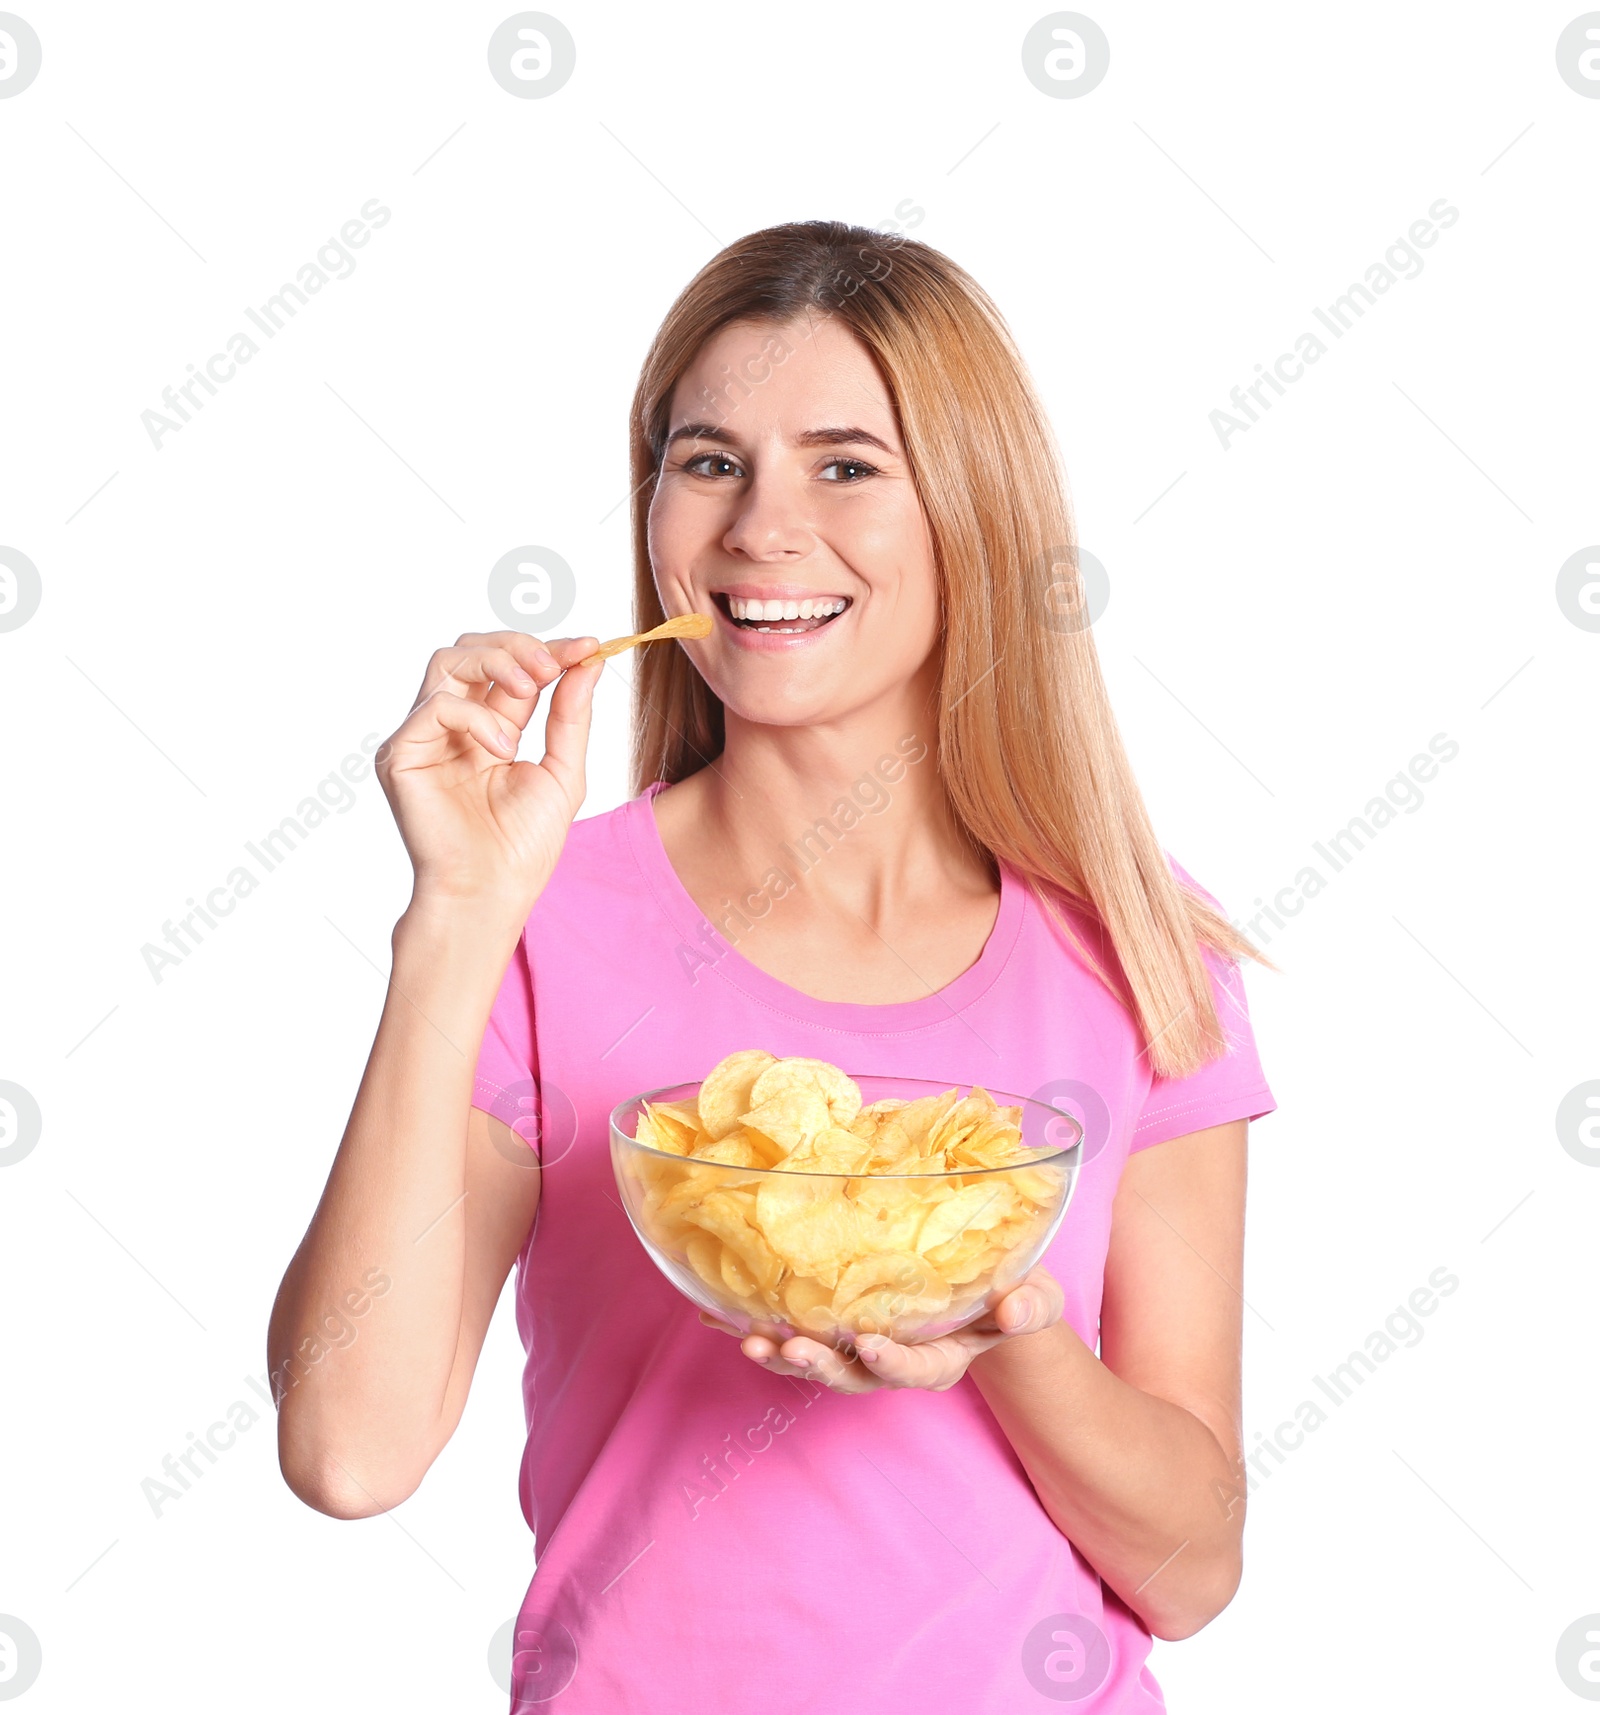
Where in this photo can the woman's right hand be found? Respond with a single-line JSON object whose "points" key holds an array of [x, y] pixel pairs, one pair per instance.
{"points": [[478, 825]]}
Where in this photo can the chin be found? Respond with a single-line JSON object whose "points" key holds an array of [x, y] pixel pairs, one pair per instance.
{"points": [[798, 711]]}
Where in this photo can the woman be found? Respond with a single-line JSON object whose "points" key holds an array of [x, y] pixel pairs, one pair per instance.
{"points": [[883, 819]]}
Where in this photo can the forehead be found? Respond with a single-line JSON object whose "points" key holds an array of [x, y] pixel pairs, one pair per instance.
{"points": [[791, 375]]}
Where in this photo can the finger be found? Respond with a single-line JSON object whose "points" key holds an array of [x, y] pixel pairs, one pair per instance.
{"points": [[521, 643], [819, 1363], [509, 658], [516, 696], [1019, 1312], [569, 651], [1031, 1306], [513, 690], [764, 1350], [566, 727], [931, 1365], [509, 692], [759, 1349], [716, 1322], [544, 662], [470, 672], [427, 731]]}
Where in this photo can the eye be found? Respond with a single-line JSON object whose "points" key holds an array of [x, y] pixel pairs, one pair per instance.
{"points": [[858, 467], [722, 465]]}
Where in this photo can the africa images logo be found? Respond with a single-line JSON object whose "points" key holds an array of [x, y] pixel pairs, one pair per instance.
{"points": [[1066, 1657]]}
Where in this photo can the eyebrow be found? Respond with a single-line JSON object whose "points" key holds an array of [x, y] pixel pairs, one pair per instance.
{"points": [[828, 437]]}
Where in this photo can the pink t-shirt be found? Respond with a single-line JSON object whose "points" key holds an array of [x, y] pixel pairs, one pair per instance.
{"points": [[711, 1537]]}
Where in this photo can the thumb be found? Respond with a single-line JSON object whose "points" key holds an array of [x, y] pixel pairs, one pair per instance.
{"points": [[1024, 1310], [566, 729]]}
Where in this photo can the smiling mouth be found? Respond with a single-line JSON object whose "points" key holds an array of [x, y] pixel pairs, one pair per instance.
{"points": [[783, 617]]}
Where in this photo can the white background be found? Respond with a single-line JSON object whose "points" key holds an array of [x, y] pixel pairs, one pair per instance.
{"points": [[224, 619]]}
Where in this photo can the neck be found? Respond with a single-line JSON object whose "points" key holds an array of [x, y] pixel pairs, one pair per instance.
{"points": [[851, 811]]}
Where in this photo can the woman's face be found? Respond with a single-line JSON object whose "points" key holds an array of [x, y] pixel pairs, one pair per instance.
{"points": [[785, 483]]}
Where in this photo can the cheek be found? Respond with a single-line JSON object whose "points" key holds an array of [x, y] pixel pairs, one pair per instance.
{"points": [[887, 543], [895, 555], [683, 524], [667, 535]]}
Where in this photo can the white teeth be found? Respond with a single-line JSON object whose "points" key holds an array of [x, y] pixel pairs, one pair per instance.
{"points": [[818, 607]]}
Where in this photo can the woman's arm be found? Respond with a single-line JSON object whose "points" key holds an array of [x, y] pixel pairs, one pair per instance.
{"points": [[1131, 1452], [383, 1309], [1135, 1453], [422, 1218]]}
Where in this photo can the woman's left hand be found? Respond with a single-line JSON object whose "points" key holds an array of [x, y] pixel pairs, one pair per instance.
{"points": [[1033, 1304]]}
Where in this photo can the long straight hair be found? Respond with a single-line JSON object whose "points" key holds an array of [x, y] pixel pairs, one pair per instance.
{"points": [[1028, 749]]}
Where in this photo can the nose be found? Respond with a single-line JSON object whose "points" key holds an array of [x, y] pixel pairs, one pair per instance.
{"points": [[770, 524]]}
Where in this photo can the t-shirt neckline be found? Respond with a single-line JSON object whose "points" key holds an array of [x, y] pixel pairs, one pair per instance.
{"points": [[721, 958]]}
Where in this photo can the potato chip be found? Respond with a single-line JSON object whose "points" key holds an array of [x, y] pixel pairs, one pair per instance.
{"points": [[919, 1117], [903, 1271], [869, 1122], [841, 1093], [921, 1166], [889, 1292], [887, 1311], [669, 1122], [959, 1121], [891, 1214], [725, 1092], [801, 1295], [964, 1258], [1036, 1184], [811, 1225], [680, 625], [883, 1106], [832, 1150], [970, 1109], [724, 1213], [739, 1150], [703, 1252], [653, 1136], [991, 1143], [892, 1147], [789, 1117], [691, 1186], [769, 1154], [656, 1176], [687, 1113], [974, 1206], [736, 1277]]}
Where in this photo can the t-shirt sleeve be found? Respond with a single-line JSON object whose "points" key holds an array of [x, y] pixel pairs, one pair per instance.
{"points": [[1230, 1087], [504, 1082]]}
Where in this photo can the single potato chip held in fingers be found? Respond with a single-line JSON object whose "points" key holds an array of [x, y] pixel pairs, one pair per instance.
{"points": [[681, 625]]}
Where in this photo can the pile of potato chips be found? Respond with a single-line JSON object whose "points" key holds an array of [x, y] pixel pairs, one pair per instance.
{"points": [[872, 1249]]}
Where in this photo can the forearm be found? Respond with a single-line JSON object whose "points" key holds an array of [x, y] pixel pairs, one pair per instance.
{"points": [[362, 1391], [1130, 1478]]}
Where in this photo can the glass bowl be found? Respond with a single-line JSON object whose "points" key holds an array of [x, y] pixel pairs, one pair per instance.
{"points": [[911, 1256]]}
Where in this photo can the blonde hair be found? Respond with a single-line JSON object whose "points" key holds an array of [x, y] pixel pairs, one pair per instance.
{"points": [[1029, 756]]}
